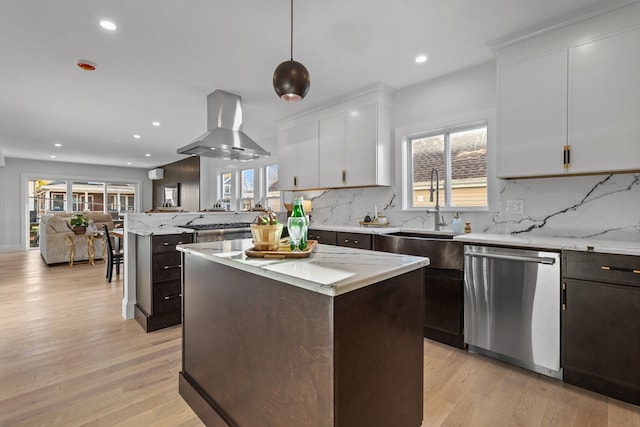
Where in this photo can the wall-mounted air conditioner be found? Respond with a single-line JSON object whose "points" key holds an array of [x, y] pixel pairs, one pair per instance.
{"points": [[157, 173]]}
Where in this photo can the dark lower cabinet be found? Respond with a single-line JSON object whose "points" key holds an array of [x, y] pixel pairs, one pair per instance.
{"points": [[354, 240], [322, 236], [601, 323], [158, 280], [444, 306]]}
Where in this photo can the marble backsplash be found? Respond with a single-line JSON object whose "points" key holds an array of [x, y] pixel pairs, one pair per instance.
{"points": [[603, 206]]}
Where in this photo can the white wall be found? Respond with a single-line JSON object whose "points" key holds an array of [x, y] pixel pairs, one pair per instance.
{"points": [[13, 190], [606, 206]]}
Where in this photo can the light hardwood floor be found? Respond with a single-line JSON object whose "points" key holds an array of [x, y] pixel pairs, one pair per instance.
{"points": [[67, 358]]}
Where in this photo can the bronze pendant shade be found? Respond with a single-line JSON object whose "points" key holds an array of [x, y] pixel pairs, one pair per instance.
{"points": [[291, 79]]}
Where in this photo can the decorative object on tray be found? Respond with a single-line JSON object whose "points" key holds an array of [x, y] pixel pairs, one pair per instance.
{"points": [[79, 224], [283, 251], [266, 231]]}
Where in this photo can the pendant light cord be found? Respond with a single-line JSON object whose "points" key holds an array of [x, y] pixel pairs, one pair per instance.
{"points": [[292, 30]]}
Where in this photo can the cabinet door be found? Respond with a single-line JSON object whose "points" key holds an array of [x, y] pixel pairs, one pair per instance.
{"points": [[532, 130], [354, 240], [361, 146], [604, 104], [602, 338], [322, 236], [298, 157], [331, 149]]}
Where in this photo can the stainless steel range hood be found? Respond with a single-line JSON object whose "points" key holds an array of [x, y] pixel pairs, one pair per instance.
{"points": [[224, 138]]}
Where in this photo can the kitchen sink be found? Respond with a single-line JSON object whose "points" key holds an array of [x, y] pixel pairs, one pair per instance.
{"points": [[442, 251], [421, 235]]}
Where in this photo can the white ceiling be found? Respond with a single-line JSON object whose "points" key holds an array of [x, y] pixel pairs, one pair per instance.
{"points": [[167, 56]]}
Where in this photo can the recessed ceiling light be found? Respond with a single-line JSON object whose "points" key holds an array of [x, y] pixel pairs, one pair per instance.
{"points": [[129, 163], [421, 58], [136, 136], [57, 145], [148, 155], [156, 123], [53, 157], [108, 25]]}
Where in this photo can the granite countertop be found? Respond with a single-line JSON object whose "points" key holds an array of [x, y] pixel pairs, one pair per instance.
{"points": [[329, 270], [554, 243]]}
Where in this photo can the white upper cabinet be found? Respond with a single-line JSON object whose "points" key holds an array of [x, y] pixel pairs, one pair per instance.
{"points": [[604, 104], [532, 98], [353, 145], [569, 99], [348, 148], [298, 156]]}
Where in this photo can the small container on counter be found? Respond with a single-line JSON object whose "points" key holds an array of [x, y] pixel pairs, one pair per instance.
{"points": [[456, 224], [467, 227]]}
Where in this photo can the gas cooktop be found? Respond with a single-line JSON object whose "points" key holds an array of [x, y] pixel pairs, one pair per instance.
{"points": [[228, 225]]}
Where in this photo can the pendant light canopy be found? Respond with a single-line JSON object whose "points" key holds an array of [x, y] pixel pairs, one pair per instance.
{"points": [[291, 79]]}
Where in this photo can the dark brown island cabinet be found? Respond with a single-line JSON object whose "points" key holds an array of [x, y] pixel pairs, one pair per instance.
{"points": [[258, 351], [601, 323], [158, 280]]}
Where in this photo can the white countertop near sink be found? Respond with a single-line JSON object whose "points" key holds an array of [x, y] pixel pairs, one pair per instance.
{"points": [[329, 270], [554, 243], [355, 229]]}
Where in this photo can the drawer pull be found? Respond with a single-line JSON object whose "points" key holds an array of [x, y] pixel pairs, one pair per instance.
{"points": [[172, 296], [626, 270], [165, 243], [167, 267], [346, 240], [356, 242]]}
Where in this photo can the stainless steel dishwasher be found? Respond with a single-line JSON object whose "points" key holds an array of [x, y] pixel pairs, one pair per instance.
{"points": [[512, 306]]}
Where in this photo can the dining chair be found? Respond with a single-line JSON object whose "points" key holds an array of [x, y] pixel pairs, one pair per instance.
{"points": [[115, 257]]}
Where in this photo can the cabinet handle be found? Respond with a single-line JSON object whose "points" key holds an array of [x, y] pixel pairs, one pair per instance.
{"points": [[167, 267], [564, 296], [165, 243], [566, 156], [344, 176], [626, 270], [346, 240], [356, 242], [172, 296], [295, 181]]}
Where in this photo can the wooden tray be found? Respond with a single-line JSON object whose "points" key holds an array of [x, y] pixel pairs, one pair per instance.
{"points": [[283, 251], [373, 224]]}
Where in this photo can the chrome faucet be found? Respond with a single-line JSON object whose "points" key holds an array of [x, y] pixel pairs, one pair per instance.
{"points": [[438, 220]]}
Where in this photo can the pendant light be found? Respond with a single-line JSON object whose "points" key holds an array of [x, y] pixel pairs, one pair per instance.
{"points": [[291, 79]]}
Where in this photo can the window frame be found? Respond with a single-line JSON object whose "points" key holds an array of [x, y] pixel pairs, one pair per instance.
{"points": [[450, 123]]}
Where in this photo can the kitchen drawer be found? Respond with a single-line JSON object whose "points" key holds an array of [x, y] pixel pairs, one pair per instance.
{"points": [[354, 240], [167, 297], [166, 266], [323, 236], [598, 267], [168, 243]]}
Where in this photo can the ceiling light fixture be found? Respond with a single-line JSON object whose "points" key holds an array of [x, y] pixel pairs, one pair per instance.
{"points": [[421, 59], [148, 155], [156, 123], [57, 144], [136, 136], [291, 79], [108, 25]]}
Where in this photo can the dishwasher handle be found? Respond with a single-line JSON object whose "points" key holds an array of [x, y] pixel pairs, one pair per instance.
{"points": [[538, 260]]}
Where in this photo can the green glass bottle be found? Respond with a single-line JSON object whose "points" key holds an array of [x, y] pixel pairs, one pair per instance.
{"points": [[298, 211]]}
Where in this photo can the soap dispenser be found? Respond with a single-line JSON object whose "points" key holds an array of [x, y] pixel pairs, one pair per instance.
{"points": [[456, 224]]}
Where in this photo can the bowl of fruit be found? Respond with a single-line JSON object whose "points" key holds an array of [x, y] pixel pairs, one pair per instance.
{"points": [[266, 231]]}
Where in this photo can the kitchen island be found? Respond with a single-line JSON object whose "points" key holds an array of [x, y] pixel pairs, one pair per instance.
{"points": [[334, 339]]}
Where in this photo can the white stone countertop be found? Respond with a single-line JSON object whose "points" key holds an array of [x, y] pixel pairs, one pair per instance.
{"points": [[555, 243], [329, 270], [160, 230]]}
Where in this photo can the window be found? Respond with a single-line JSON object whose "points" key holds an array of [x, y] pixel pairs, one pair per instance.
{"points": [[225, 189], [459, 155], [247, 193], [271, 190]]}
